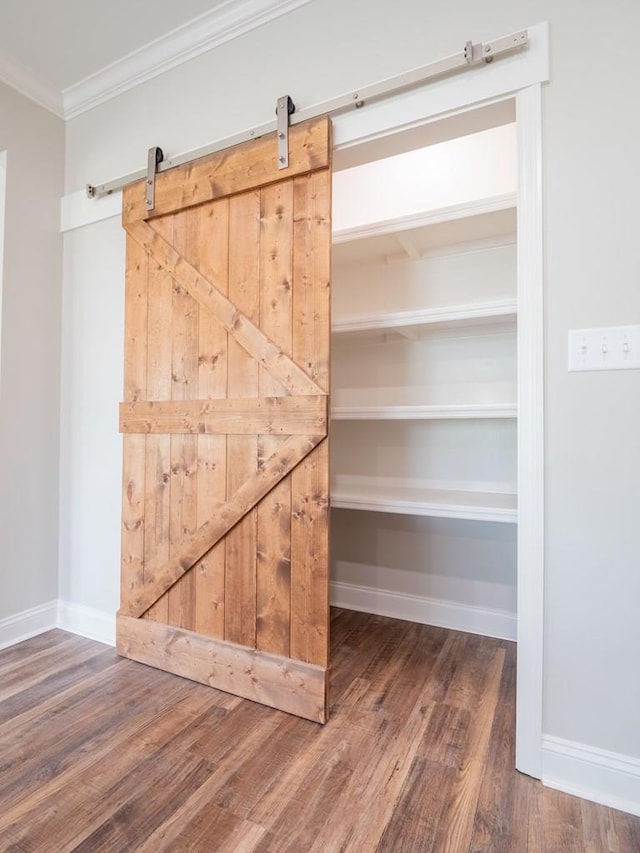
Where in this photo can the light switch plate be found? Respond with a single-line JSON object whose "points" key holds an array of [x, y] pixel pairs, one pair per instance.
{"points": [[606, 348]]}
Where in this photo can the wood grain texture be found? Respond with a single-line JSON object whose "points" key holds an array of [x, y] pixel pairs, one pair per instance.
{"points": [[273, 581], [134, 449], [310, 483], [185, 320], [253, 416], [103, 753], [312, 274], [501, 817], [229, 399], [310, 558], [228, 311], [242, 451], [163, 577], [213, 260], [278, 682], [458, 813], [157, 511], [235, 170]]}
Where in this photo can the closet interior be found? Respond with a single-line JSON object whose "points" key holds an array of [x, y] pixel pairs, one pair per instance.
{"points": [[423, 389]]}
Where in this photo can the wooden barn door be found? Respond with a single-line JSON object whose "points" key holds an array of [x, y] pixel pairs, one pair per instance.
{"points": [[226, 491]]}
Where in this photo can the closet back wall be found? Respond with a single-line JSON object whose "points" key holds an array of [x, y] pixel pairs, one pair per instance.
{"points": [[423, 446], [592, 257]]}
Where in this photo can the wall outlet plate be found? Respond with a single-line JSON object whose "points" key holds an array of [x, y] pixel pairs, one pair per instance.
{"points": [[605, 348]]}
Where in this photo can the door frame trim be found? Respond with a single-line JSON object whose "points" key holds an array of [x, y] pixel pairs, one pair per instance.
{"points": [[531, 451]]}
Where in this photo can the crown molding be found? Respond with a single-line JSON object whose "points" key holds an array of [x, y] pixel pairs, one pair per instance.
{"points": [[31, 86], [227, 21]]}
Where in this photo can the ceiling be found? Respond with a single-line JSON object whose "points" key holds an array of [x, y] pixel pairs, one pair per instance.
{"points": [[70, 55], [65, 41]]}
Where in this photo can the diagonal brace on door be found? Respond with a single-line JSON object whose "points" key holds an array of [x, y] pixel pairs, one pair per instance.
{"points": [[250, 337], [165, 574]]}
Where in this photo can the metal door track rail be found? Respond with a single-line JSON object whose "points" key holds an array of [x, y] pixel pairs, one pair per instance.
{"points": [[472, 55]]}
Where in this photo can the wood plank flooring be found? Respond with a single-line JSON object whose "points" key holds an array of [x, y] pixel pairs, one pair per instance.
{"points": [[98, 753]]}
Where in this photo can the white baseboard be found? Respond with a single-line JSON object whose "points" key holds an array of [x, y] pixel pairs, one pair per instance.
{"points": [[87, 622], [608, 778], [428, 611], [22, 626]]}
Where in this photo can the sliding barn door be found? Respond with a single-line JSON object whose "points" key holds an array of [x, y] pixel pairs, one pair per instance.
{"points": [[225, 495]]}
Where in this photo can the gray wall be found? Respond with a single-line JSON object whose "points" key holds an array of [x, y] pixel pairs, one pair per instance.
{"points": [[592, 183], [30, 360]]}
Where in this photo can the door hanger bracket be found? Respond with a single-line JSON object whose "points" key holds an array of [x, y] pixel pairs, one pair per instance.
{"points": [[475, 54], [154, 158], [285, 108]]}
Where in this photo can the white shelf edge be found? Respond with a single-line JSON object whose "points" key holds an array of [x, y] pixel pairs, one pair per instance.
{"points": [[462, 314], [470, 411], [433, 509], [477, 207]]}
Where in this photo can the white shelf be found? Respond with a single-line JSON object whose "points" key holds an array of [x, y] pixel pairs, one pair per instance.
{"points": [[436, 503], [384, 302], [461, 222], [479, 315], [446, 412]]}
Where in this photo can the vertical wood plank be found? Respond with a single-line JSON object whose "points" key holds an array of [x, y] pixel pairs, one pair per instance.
{"points": [[312, 274], [242, 372], [209, 572], [184, 386], [135, 381], [310, 481], [274, 511], [158, 450]]}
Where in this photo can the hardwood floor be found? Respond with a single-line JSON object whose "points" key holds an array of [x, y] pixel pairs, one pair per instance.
{"points": [[98, 753]]}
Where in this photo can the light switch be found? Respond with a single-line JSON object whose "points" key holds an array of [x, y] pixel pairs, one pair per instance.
{"points": [[607, 348]]}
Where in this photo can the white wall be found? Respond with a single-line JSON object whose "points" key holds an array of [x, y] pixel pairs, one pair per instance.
{"points": [[591, 128], [30, 359], [91, 457], [3, 187]]}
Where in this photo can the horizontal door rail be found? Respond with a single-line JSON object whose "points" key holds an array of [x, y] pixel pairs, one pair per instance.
{"points": [[471, 56]]}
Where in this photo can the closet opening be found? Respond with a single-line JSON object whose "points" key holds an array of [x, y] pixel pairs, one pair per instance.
{"points": [[424, 427]]}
